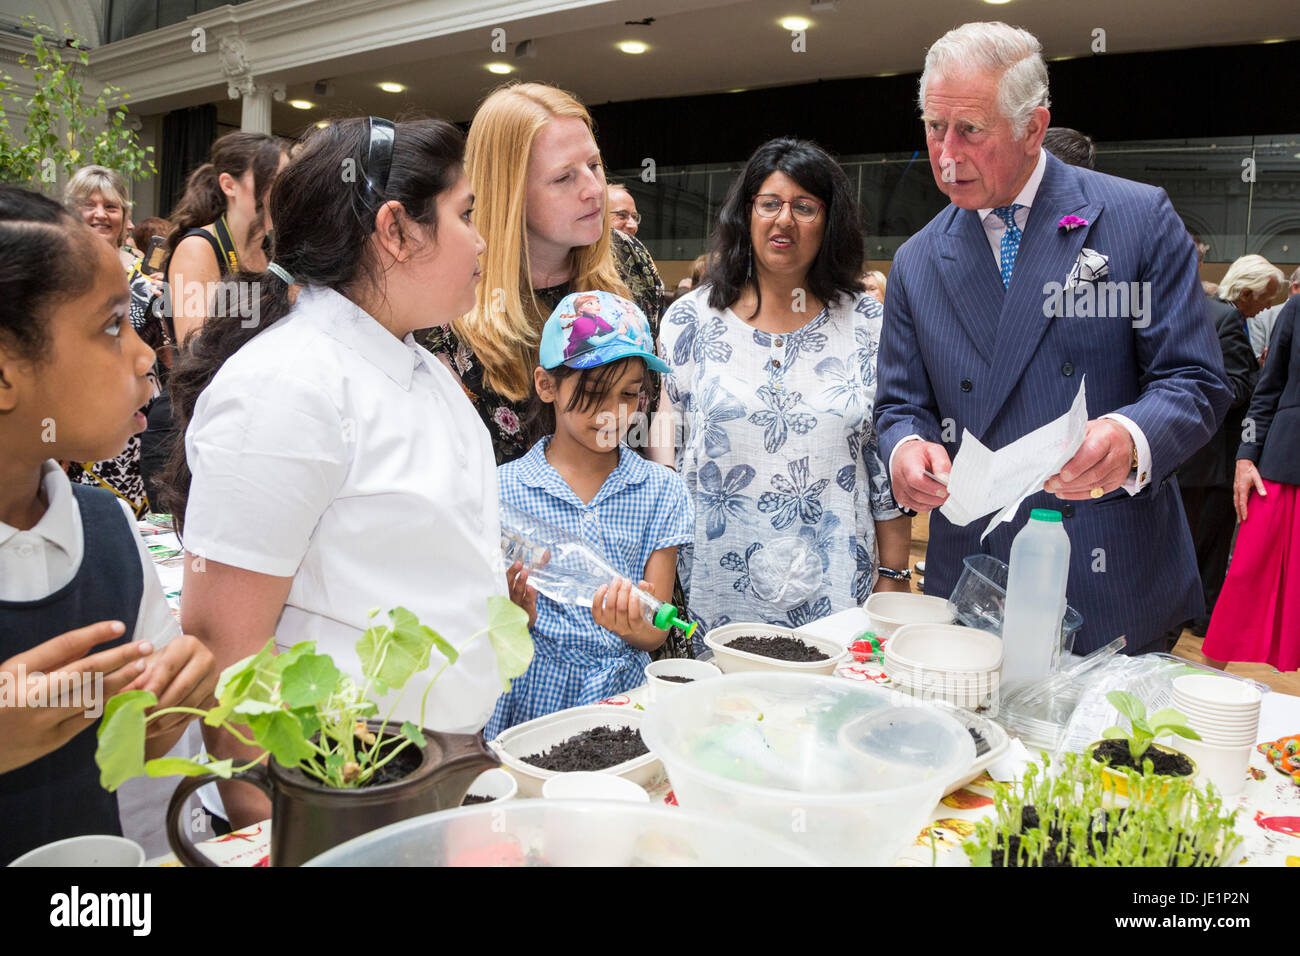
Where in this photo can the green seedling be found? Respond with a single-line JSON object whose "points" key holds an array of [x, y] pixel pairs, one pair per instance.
{"points": [[1143, 729], [300, 708], [1168, 821]]}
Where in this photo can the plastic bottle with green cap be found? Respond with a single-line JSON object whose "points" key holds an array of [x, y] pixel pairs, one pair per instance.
{"points": [[1036, 577], [566, 569]]}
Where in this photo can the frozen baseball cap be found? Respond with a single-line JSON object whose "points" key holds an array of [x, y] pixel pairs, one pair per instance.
{"points": [[595, 328]]}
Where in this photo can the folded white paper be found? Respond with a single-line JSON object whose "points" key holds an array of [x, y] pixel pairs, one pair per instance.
{"points": [[982, 481]]}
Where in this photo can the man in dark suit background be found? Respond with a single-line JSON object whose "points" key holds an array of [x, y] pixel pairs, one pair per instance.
{"points": [[975, 338], [1205, 479]]}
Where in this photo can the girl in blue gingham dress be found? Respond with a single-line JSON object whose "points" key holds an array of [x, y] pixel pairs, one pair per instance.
{"points": [[582, 478]]}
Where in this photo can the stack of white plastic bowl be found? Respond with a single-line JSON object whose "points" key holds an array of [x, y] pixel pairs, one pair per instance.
{"points": [[960, 665], [1225, 712]]}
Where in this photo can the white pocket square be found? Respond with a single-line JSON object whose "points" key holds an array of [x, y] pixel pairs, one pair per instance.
{"points": [[1091, 266]]}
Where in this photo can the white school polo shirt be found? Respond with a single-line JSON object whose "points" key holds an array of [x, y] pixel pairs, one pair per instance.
{"points": [[327, 450], [37, 562]]}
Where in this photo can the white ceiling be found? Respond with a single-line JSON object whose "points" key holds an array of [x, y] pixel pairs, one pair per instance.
{"points": [[726, 46]]}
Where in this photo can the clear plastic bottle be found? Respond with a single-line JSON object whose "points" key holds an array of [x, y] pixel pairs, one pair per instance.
{"points": [[1036, 579], [566, 569]]}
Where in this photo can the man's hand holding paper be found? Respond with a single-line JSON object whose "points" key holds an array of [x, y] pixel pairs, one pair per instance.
{"points": [[982, 481]]}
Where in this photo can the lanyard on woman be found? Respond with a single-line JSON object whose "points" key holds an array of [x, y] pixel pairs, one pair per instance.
{"points": [[227, 244]]}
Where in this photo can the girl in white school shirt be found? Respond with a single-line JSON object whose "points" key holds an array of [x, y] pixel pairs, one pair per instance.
{"points": [[330, 464], [78, 592]]}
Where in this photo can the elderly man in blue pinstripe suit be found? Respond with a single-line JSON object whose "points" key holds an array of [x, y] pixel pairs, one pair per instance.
{"points": [[1036, 275]]}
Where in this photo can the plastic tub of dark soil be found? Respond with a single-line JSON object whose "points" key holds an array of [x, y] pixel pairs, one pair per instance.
{"points": [[765, 647], [599, 737], [491, 786], [664, 677]]}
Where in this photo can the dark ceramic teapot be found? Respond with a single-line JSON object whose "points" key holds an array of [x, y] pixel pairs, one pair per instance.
{"points": [[308, 818]]}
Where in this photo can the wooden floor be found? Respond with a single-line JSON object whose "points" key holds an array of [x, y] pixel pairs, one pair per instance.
{"points": [[1189, 646]]}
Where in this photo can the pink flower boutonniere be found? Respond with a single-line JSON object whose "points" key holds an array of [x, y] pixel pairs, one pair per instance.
{"points": [[1071, 222]]}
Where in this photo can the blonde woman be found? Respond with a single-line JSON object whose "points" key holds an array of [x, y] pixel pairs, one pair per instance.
{"points": [[874, 282], [540, 204]]}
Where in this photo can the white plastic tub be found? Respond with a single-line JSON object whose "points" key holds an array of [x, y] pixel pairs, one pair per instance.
{"points": [[543, 733], [732, 661], [890, 610], [659, 689], [848, 771]]}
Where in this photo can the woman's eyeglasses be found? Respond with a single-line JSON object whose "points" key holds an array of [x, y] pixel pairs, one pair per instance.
{"points": [[768, 206]]}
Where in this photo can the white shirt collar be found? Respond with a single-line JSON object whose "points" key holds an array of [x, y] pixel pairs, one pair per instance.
{"points": [[347, 322], [61, 523], [1026, 196]]}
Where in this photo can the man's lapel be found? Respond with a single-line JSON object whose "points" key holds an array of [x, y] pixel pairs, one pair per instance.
{"points": [[1047, 253], [971, 278]]}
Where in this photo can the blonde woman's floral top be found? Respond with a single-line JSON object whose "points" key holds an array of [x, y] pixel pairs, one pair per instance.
{"points": [[505, 419]]}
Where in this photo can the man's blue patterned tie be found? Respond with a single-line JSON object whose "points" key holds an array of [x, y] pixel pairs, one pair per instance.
{"points": [[1010, 240]]}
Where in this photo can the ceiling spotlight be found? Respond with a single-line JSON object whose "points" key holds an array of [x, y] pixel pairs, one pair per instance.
{"points": [[301, 104], [500, 68], [633, 46], [392, 87], [997, 2], [795, 23], [322, 124]]}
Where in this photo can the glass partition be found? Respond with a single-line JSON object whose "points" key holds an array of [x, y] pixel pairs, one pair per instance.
{"points": [[1238, 194]]}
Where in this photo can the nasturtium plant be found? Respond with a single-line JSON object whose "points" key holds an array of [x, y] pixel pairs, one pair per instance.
{"points": [[1143, 730], [304, 711]]}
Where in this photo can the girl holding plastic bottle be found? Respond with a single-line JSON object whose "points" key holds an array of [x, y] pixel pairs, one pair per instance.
{"points": [[582, 478]]}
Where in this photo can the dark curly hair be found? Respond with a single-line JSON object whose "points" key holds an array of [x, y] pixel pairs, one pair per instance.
{"points": [[46, 257], [837, 269]]}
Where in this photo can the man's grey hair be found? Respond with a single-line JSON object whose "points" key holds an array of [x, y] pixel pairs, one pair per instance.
{"points": [[994, 48], [1249, 273], [1295, 276]]}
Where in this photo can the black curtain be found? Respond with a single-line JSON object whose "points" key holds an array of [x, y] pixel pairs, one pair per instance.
{"points": [[187, 136]]}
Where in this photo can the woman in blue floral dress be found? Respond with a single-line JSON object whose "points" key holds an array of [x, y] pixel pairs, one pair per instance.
{"points": [[774, 379]]}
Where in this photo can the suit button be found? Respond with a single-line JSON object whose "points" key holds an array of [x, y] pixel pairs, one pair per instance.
{"points": [[1067, 511], [1067, 369], [965, 385]]}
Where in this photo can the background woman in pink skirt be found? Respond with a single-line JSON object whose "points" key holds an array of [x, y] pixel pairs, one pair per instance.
{"points": [[1257, 617]]}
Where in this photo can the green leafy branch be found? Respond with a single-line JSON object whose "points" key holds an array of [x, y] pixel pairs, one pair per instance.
{"points": [[306, 713], [63, 132]]}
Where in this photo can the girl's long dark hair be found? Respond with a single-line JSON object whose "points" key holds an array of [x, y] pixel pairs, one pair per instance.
{"points": [[837, 269], [322, 230], [203, 202]]}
